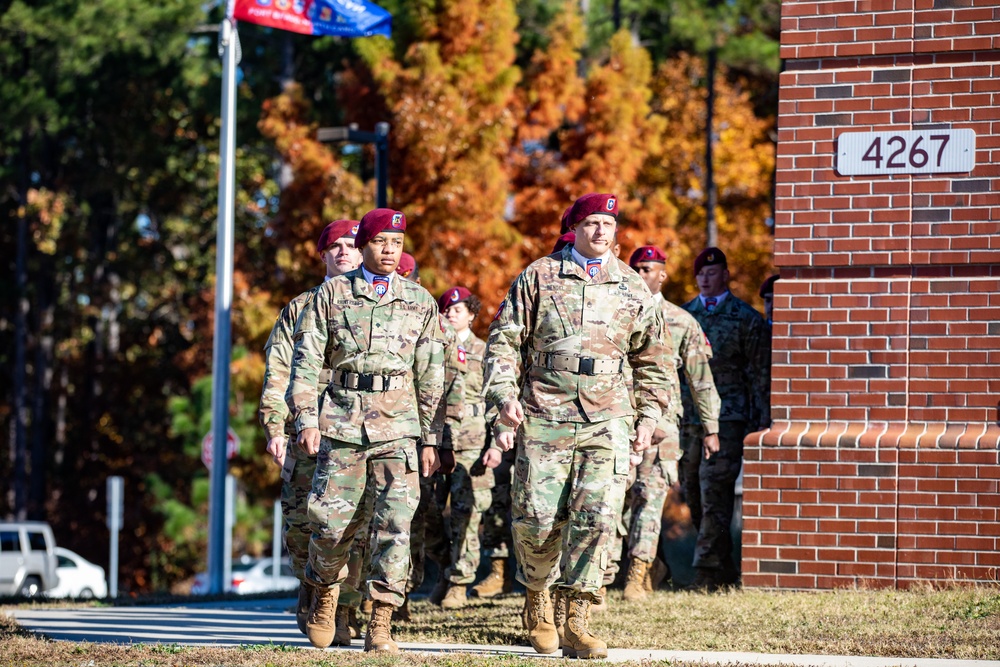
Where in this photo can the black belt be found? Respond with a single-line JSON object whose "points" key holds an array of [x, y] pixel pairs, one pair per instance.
{"points": [[579, 365], [365, 382]]}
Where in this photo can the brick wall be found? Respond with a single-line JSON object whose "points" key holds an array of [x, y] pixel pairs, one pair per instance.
{"points": [[882, 465]]}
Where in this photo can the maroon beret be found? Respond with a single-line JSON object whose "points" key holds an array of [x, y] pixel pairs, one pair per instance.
{"points": [[589, 204], [407, 266], [377, 221], [453, 296], [709, 257], [647, 253], [564, 224], [569, 238], [335, 230], [768, 286]]}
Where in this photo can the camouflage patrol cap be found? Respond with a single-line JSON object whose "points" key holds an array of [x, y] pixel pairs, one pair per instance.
{"points": [[452, 296], [709, 257], [768, 286], [335, 230], [595, 202], [647, 253], [377, 221]]}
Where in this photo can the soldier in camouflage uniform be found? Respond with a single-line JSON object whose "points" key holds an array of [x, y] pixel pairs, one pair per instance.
{"points": [[658, 469], [569, 324], [470, 482], [428, 535], [336, 250], [380, 336], [741, 352]]}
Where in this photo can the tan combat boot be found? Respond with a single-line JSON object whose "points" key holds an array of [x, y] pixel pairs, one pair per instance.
{"points": [[496, 582], [603, 604], [657, 572], [541, 626], [455, 597], [354, 622], [579, 643], [559, 604], [402, 613], [342, 633], [302, 605], [379, 636], [635, 580], [439, 591], [320, 626]]}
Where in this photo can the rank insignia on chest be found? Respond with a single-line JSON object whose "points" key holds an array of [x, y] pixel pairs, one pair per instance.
{"points": [[381, 285], [461, 354], [593, 267]]}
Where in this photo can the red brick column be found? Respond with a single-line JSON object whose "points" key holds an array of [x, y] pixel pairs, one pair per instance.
{"points": [[882, 465]]}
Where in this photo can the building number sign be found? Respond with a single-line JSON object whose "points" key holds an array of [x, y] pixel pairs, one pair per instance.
{"points": [[907, 152]]}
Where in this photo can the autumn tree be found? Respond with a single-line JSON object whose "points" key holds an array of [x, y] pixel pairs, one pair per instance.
{"points": [[448, 101]]}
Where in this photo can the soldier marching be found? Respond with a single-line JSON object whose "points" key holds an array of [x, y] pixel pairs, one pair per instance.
{"points": [[367, 376]]}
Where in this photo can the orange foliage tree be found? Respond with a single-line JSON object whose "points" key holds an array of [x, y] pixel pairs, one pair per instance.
{"points": [[449, 104], [744, 162]]}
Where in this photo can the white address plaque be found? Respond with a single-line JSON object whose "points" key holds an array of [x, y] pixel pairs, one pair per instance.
{"points": [[909, 152]]}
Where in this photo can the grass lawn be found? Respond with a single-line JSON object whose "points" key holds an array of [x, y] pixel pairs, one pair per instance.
{"points": [[957, 623]]}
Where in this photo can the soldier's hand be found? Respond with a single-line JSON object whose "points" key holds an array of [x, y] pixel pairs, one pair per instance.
{"points": [[710, 444], [429, 461], [309, 441], [643, 438], [511, 414], [276, 448], [447, 459], [659, 434], [491, 459], [506, 440]]}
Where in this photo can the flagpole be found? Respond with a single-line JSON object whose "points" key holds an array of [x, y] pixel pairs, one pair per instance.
{"points": [[221, 352]]}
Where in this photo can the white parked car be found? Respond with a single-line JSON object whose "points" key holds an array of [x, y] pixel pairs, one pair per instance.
{"points": [[252, 575], [78, 577]]}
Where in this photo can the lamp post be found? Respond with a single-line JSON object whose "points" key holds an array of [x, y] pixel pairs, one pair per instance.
{"points": [[380, 137]]}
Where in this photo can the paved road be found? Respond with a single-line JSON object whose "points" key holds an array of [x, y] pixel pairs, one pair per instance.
{"points": [[270, 621]]}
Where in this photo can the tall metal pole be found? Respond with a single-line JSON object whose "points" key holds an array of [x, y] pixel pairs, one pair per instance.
{"points": [[217, 524], [381, 164], [711, 194]]}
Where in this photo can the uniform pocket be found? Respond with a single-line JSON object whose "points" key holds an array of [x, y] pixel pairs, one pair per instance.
{"points": [[622, 464]]}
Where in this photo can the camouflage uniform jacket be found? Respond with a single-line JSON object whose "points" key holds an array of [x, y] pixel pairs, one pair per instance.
{"points": [[449, 411], [693, 357], [555, 307], [352, 329], [473, 423], [741, 354], [274, 413]]}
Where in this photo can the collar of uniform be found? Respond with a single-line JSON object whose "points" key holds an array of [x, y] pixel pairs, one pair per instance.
{"points": [[361, 283], [463, 336], [609, 267], [719, 300]]}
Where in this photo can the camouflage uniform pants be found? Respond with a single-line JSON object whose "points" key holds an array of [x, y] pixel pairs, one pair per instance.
{"points": [[568, 487], [649, 483], [344, 474], [471, 495], [428, 538], [496, 520], [710, 490], [296, 482]]}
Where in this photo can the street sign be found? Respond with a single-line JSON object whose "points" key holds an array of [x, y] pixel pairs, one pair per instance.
{"points": [[232, 447], [116, 502]]}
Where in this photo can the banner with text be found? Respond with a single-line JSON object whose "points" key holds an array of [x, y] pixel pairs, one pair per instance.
{"points": [[339, 18]]}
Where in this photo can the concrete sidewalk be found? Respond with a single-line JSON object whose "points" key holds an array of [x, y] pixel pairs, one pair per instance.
{"points": [[268, 622]]}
